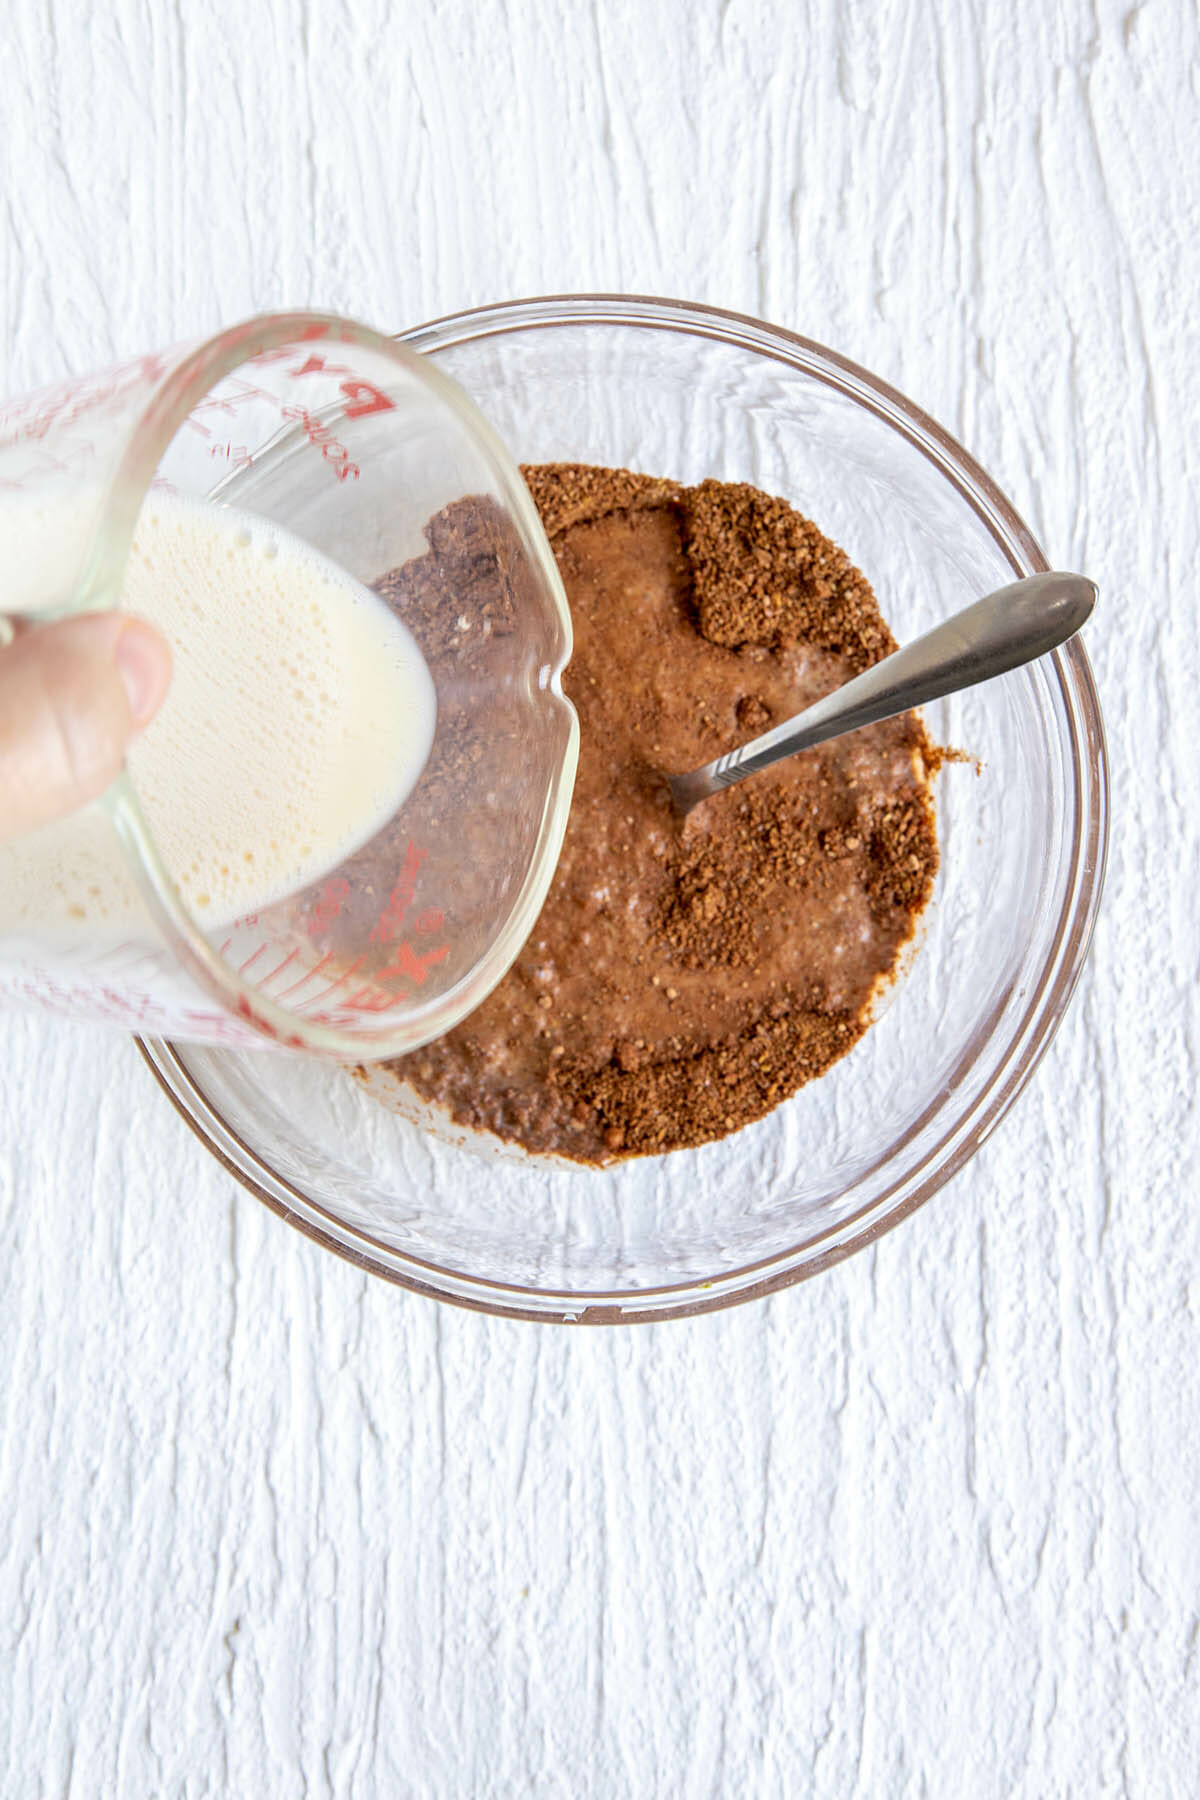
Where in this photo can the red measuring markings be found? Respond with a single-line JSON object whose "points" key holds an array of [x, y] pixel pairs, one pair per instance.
{"points": [[287, 962], [370, 999], [401, 897], [407, 965], [332, 449], [393, 932], [222, 403], [316, 365], [237, 454], [251, 959], [333, 896], [334, 985], [33, 415], [252, 1016], [308, 975], [217, 1027], [362, 397]]}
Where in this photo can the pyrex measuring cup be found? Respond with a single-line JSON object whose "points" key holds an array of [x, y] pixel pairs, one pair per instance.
{"points": [[335, 434]]}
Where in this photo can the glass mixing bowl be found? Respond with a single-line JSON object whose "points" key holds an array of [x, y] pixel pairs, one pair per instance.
{"points": [[686, 391]]}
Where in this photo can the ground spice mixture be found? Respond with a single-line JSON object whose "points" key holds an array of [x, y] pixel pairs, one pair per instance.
{"points": [[685, 976]]}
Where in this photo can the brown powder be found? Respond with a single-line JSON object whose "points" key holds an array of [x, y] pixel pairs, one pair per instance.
{"points": [[684, 977], [765, 575]]}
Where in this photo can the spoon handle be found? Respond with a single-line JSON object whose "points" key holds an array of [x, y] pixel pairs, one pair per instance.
{"points": [[1014, 625]]}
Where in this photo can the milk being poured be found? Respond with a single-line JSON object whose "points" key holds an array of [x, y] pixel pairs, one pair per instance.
{"points": [[299, 717]]}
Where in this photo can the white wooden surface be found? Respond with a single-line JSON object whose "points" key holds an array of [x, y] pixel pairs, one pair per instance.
{"points": [[924, 1526]]}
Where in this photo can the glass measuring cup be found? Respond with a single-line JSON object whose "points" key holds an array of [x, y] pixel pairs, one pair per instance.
{"points": [[360, 448]]}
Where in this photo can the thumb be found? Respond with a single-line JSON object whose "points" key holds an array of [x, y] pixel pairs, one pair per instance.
{"points": [[72, 694]]}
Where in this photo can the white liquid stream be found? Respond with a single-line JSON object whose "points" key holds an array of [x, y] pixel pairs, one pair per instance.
{"points": [[299, 717]]}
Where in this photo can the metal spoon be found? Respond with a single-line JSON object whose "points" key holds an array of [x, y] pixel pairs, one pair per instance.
{"points": [[1014, 625]]}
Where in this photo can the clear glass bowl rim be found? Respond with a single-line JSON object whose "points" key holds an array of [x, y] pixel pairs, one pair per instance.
{"points": [[1048, 996]]}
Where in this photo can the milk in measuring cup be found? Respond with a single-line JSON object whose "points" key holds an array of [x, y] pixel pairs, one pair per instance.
{"points": [[299, 717]]}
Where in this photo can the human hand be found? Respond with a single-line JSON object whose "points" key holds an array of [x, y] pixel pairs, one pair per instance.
{"points": [[72, 695]]}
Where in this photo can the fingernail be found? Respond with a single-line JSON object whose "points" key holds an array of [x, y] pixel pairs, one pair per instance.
{"points": [[144, 666]]}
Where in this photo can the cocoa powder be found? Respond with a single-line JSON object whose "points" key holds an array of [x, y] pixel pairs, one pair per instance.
{"points": [[685, 977]]}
